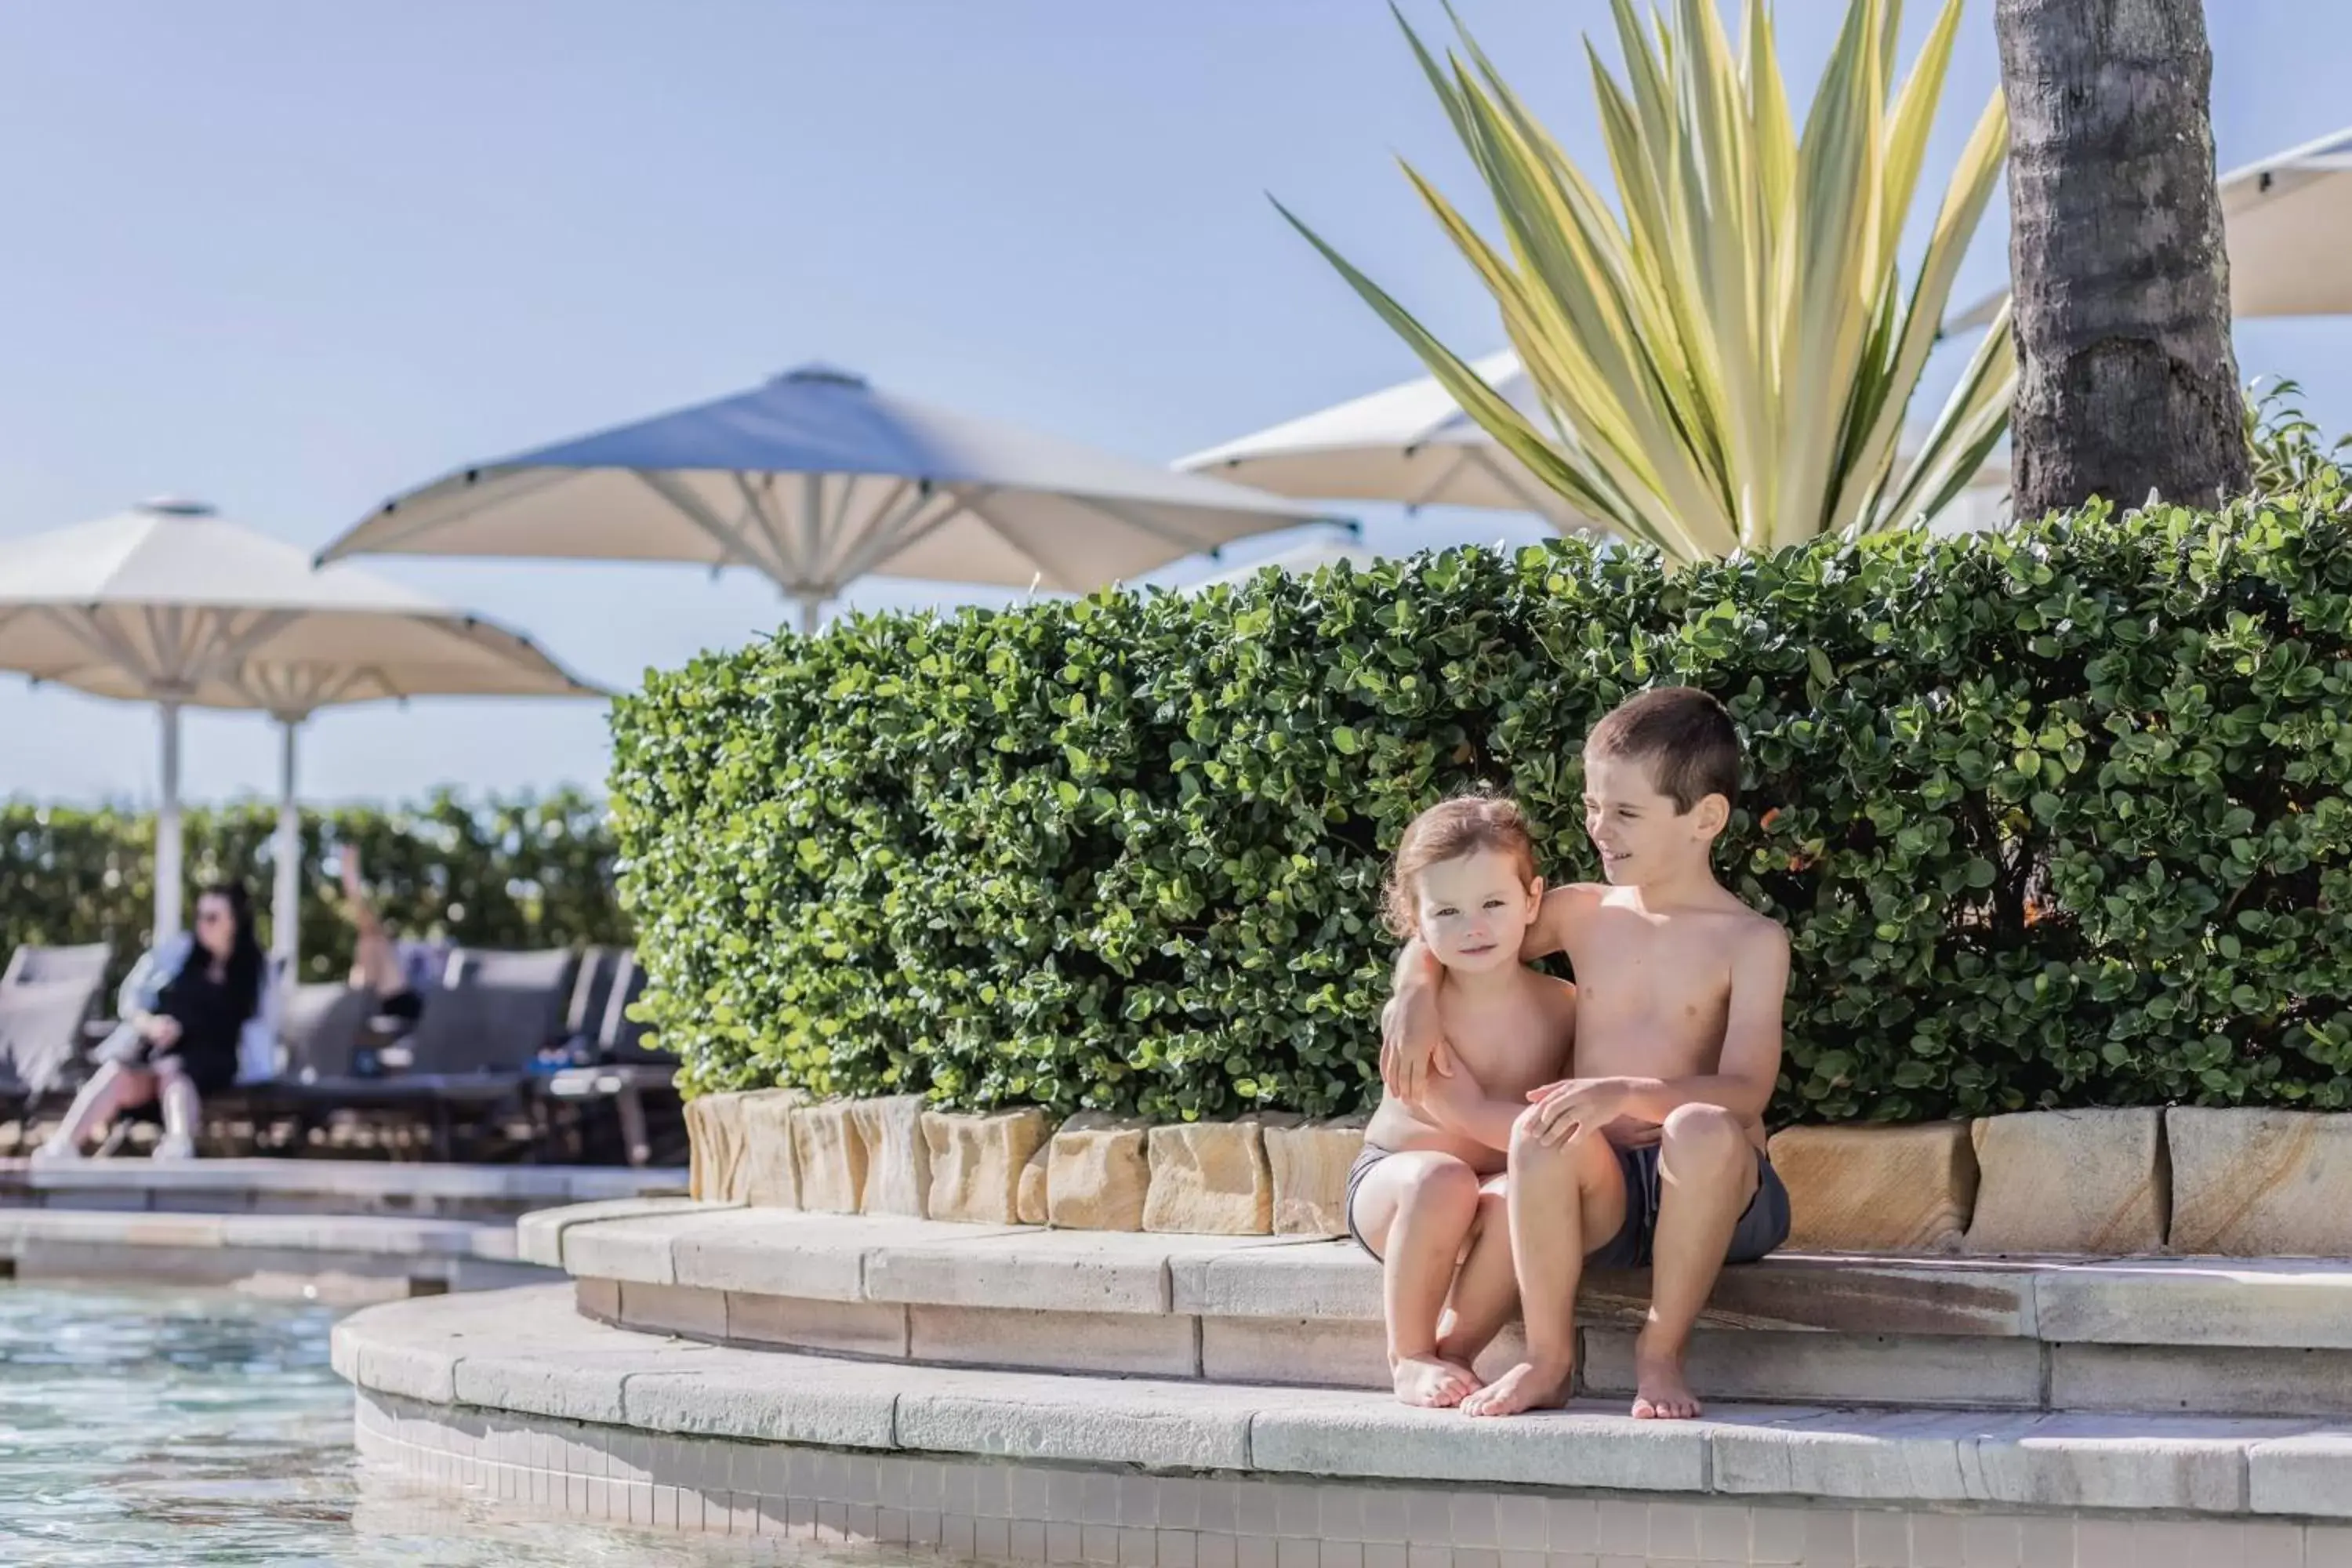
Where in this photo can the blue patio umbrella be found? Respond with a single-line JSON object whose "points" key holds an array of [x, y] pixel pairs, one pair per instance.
{"points": [[817, 479]]}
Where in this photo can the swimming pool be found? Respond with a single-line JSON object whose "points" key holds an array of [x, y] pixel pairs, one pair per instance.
{"points": [[183, 1426]]}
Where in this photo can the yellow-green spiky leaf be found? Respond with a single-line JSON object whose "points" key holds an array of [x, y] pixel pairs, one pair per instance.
{"points": [[1727, 350]]}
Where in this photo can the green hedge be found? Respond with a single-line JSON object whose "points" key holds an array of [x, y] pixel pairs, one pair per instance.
{"points": [[2056, 817], [516, 873]]}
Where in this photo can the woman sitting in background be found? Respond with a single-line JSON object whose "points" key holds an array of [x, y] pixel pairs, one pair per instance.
{"points": [[197, 1013]]}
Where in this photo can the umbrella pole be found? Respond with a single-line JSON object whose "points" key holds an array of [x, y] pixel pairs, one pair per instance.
{"points": [[168, 873], [285, 899], [811, 613]]}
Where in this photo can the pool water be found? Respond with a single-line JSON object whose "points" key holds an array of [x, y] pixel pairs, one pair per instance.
{"points": [[197, 1427]]}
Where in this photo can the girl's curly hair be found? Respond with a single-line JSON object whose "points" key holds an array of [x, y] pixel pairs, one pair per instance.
{"points": [[1448, 831]]}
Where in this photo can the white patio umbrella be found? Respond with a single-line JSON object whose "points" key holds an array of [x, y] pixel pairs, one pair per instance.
{"points": [[817, 479], [1308, 555], [171, 604], [2287, 222], [1412, 444]]}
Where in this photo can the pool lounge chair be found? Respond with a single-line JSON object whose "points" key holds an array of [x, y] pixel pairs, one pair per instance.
{"points": [[468, 1054], [625, 1072], [41, 1039], [84, 963]]}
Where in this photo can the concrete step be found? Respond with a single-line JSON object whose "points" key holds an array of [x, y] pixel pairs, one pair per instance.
{"points": [[465, 1365], [2237, 1336]]}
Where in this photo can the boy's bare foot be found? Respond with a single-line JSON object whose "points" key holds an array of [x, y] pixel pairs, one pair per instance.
{"points": [[1526, 1387], [1432, 1381], [1660, 1389]]}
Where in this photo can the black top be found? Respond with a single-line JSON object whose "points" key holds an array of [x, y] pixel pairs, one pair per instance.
{"points": [[210, 1020]]}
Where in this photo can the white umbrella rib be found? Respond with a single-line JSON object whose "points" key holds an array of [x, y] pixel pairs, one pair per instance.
{"points": [[104, 641], [1462, 463], [894, 528], [1143, 524], [813, 521], [240, 647], [691, 507], [293, 692], [836, 529], [774, 527], [971, 503], [1544, 506]]}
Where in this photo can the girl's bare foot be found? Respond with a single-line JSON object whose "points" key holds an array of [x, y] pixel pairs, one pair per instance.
{"points": [[1660, 1389], [1432, 1381], [1460, 1351], [1530, 1385]]}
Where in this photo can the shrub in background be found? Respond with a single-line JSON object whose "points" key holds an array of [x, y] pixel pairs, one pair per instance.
{"points": [[520, 872], [2058, 817]]}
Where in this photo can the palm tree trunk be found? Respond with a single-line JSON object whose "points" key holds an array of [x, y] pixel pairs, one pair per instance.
{"points": [[2126, 379]]}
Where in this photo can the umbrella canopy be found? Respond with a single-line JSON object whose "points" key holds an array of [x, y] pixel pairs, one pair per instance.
{"points": [[1306, 555], [2287, 223], [1412, 444], [169, 604], [817, 479]]}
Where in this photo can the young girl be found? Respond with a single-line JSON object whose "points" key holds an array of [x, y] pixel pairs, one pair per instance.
{"points": [[1425, 1196]]}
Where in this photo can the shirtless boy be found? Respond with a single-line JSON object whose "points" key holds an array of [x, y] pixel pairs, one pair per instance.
{"points": [[1654, 1151], [1425, 1196]]}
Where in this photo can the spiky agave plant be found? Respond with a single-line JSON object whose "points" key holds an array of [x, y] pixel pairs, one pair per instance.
{"points": [[1726, 356]]}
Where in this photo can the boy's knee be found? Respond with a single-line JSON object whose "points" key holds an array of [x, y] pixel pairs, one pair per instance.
{"points": [[1531, 1152], [1705, 1132], [1528, 1146]]}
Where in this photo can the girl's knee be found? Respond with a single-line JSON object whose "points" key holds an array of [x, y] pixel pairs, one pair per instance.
{"points": [[1439, 1184]]}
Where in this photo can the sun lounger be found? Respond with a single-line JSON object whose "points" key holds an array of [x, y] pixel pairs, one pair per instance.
{"points": [[470, 1051], [87, 963], [40, 1037], [625, 1071]]}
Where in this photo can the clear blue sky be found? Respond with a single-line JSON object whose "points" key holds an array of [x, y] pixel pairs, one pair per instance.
{"points": [[290, 257]]}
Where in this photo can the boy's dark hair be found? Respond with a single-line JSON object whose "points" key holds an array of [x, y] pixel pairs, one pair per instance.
{"points": [[1684, 737]]}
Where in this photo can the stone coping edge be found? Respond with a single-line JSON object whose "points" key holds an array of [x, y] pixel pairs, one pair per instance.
{"points": [[553, 1184], [528, 1352], [370, 1234], [2304, 1304]]}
